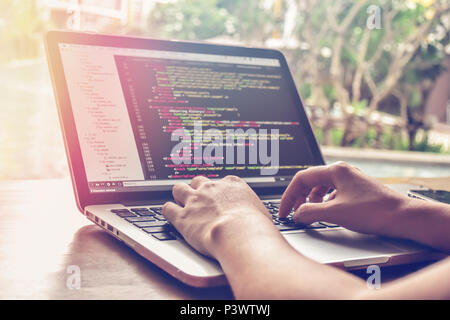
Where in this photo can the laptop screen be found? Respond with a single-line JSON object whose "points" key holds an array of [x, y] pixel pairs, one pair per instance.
{"points": [[146, 119]]}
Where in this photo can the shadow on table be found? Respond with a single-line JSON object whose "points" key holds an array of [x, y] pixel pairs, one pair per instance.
{"points": [[111, 270]]}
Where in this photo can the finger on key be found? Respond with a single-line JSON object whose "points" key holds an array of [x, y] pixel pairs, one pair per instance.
{"points": [[301, 185], [171, 210], [181, 192]]}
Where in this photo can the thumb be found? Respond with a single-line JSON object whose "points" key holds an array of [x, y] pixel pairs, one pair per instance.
{"points": [[312, 212]]}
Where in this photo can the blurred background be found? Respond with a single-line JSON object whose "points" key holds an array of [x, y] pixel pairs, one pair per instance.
{"points": [[374, 75]]}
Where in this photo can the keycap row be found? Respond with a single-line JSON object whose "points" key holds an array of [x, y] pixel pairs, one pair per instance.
{"points": [[149, 220], [153, 222]]}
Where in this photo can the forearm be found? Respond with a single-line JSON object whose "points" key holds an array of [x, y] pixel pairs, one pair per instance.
{"points": [[425, 222], [427, 283], [260, 264]]}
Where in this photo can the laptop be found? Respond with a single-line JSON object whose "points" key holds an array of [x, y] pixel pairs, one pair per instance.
{"points": [[122, 102]]}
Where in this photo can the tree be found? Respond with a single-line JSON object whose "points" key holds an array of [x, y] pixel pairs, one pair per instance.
{"points": [[415, 86], [344, 64], [353, 68]]}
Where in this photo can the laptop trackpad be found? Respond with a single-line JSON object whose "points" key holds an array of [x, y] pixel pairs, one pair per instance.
{"points": [[341, 245]]}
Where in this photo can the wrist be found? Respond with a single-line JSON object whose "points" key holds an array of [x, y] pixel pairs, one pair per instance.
{"points": [[398, 216], [417, 219], [236, 228]]}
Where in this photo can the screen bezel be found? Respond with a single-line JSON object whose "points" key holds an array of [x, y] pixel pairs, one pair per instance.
{"points": [[83, 195]]}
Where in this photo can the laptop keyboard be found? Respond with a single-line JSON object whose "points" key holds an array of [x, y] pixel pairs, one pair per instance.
{"points": [[285, 224], [151, 221]]}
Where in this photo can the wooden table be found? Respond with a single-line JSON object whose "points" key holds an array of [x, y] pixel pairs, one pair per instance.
{"points": [[42, 234]]}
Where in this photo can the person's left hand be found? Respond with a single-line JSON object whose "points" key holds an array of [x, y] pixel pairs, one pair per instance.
{"points": [[206, 209]]}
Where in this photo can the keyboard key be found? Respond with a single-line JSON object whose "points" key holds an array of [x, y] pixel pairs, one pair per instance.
{"points": [[145, 213], [156, 229], [285, 221], [160, 218], [164, 236], [275, 205], [139, 209], [123, 214], [140, 219], [157, 210], [146, 224], [119, 210]]}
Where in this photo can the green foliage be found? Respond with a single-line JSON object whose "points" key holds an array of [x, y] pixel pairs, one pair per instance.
{"points": [[359, 106], [388, 140], [349, 58], [205, 19], [415, 99], [305, 90], [330, 92], [424, 146], [251, 21], [336, 136], [191, 20], [318, 132]]}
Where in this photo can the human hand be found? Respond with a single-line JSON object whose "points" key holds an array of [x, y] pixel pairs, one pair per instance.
{"points": [[206, 208], [359, 202]]}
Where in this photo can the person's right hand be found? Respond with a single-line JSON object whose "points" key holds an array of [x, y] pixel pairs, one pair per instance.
{"points": [[358, 203]]}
